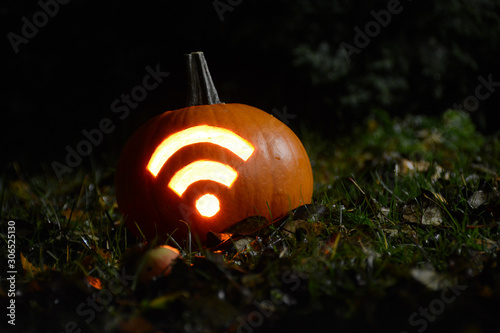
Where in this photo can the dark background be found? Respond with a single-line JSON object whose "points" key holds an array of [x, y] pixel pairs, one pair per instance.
{"points": [[268, 54]]}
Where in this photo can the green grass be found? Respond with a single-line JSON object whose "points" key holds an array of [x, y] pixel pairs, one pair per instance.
{"points": [[366, 255]]}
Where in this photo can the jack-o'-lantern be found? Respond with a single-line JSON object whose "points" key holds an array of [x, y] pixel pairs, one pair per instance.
{"points": [[208, 166]]}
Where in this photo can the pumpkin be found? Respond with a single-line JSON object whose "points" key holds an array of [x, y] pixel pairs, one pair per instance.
{"points": [[208, 166]]}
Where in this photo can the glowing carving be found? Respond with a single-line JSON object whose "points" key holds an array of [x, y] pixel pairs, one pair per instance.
{"points": [[202, 170], [198, 134], [208, 205]]}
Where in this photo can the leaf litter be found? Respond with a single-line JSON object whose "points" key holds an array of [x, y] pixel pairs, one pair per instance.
{"points": [[387, 232]]}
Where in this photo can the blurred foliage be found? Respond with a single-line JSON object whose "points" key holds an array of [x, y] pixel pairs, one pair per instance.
{"points": [[269, 54], [426, 59]]}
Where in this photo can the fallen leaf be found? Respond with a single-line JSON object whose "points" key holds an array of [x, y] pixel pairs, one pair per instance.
{"points": [[94, 282], [409, 167], [215, 239], [22, 189], [430, 278], [30, 269], [310, 228], [432, 216], [161, 302], [72, 215], [136, 324], [477, 199], [424, 209]]}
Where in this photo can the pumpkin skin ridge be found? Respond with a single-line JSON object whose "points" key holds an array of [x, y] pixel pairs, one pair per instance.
{"points": [[262, 181]]}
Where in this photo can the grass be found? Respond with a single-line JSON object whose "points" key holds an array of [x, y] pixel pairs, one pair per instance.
{"points": [[406, 212]]}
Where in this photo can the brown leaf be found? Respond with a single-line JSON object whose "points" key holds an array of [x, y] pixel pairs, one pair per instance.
{"points": [[310, 228], [217, 238], [94, 282], [30, 269], [424, 209], [136, 324], [22, 189], [409, 167]]}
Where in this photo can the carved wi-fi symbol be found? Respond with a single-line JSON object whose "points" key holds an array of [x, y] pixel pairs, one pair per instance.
{"points": [[208, 204]]}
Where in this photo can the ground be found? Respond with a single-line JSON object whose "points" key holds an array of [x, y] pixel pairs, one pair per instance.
{"points": [[402, 236]]}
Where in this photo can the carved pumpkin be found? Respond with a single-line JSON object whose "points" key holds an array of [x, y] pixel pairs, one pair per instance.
{"points": [[209, 166]]}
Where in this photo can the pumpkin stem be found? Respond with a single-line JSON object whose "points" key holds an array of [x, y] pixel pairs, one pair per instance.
{"points": [[201, 89]]}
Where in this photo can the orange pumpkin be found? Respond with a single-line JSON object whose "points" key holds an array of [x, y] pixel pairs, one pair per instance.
{"points": [[209, 166]]}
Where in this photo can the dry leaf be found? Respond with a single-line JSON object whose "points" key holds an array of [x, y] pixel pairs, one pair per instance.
{"points": [[29, 268], [94, 282], [311, 228], [430, 278], [424, 209], [477, 199]]}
